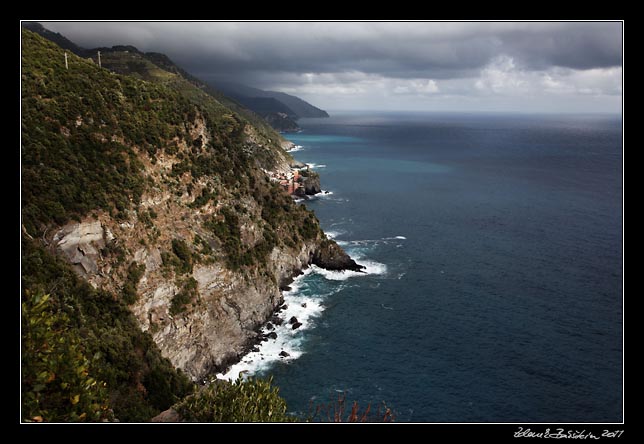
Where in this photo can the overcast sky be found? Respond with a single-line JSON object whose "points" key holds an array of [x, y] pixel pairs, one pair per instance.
{"points": [[434, 66]]}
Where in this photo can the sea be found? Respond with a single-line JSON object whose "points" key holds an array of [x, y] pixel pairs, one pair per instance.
{"points": [[493, 291]]}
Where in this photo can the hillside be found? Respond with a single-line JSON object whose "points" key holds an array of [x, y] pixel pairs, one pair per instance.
{"points": [[300, 107], [154, 193], [57, 38], [262, 108], [280, 109]]}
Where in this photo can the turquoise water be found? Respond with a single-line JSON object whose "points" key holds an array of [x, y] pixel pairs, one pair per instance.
{"points": [[494, 248]]}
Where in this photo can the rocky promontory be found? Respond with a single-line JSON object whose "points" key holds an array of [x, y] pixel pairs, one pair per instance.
{"points": [[311, 182], [330, 256]]}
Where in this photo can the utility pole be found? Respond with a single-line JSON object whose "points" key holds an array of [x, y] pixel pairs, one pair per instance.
{"points": [[99, 59], [66, 65]]}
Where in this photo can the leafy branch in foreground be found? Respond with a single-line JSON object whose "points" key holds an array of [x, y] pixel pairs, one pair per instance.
{"points": [[57, 382]]}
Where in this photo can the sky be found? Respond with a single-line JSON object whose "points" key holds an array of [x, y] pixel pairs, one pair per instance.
{"points": [[395, 66]]}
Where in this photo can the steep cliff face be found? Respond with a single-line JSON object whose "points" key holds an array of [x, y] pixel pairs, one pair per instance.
{"points": [[222, 318], [156, 192]]}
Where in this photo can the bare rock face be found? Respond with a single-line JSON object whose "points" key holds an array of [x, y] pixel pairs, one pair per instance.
{"points": [[221, 323], [312, 184], [215, 332], [170, 415], [81, 243], [330, 256]]}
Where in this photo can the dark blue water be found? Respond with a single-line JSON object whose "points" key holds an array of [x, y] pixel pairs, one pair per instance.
{"points": [[503, 302]]}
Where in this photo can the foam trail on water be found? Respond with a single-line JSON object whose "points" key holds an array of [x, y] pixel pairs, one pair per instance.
{"points": [[372, 267], [316, 166], [296, 148]]}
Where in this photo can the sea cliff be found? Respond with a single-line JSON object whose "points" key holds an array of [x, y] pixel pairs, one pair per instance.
{"points": [[158, 193]]}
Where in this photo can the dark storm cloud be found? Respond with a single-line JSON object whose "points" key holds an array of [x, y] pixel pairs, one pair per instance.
{"points": [[257, 52]]}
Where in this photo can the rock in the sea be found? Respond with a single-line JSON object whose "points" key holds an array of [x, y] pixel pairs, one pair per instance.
{"points": [[293, 320], [271, 335], [276, 320], [312, 183], [303, 305], [296, 325], [284, 354], [269, 326], [330, 256]]}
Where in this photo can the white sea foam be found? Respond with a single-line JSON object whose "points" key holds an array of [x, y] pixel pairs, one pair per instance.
{"points": [[372, 267], [296, 148], [316, 166], [373, 242], [332, 234], [306, 309], [394, 238], [327, 195]]}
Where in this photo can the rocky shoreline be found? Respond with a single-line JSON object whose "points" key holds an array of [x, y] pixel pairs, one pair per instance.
{"points": [[327, 255]]}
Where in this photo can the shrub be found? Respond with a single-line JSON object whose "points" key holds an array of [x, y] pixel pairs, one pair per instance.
{"points": [[250, 400], [182, 251], [186, 295], [134, 274], [337, 412]]}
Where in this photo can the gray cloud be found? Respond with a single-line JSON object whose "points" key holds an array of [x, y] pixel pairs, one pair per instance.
{"points": [[439, 50], [284, 54]]}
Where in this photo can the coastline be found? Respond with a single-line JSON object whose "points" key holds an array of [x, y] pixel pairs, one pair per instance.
{"points": [[289, 316]]}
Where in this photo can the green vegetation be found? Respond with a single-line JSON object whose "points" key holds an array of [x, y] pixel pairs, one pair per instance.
{"points": [[252, 400], [86, 135], [185, 296], [79, 127], [256, 400], [180, 259], [134, 275], [57, 385], [147, 217], [82, 128], [205, 197], [206, 249], [99, 339], [182, 251]]}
